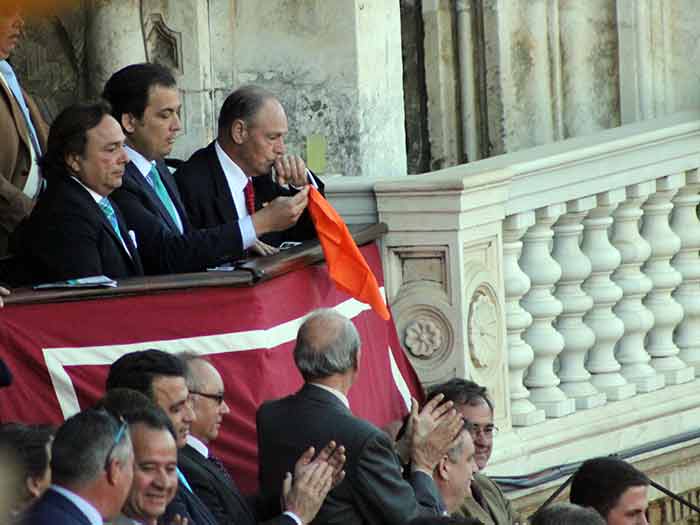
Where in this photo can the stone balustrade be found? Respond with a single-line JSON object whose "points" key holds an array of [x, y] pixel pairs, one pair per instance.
{"points": [[565, 278]]}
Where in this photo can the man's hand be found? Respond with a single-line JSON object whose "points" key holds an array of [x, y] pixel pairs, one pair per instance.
{"points": [[280, 213], [432, 431], [290, 169], [304, 496], [263, 249], [3, 291], [332, 454]]}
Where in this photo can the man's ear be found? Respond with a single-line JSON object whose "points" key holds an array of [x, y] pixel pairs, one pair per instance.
{"points": [[239, 131], [442, 469], [33, 485], [71, 160], [128, 122]]}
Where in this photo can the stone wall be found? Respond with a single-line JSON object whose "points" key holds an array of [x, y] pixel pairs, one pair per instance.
{"points": [[335, 65], [502, 76]]}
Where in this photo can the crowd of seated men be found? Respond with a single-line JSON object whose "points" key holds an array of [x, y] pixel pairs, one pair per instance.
{"points": [[95, 197], [143, 453]]}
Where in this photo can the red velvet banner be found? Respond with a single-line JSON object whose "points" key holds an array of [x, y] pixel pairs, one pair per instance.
{"points": [[59, 354]]}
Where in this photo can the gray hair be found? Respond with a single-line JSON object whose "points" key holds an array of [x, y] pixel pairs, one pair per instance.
{"points": [[327, 344], [564, 513], [83, 447], [191, 377], [455, 451], [243, 104]]}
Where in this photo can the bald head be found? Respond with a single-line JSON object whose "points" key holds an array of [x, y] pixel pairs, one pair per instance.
{"points": [[327, 344], [207, 389]]}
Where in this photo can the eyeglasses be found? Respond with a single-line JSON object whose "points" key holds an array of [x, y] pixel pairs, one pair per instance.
{"points": [[219, 398], [486, 430], [117, 438]]}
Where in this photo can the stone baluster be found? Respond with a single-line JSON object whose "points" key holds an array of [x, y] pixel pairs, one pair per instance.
{"points": [[684, 222], [667, 312], [607, 327], [637, 319], [520, 355], [546, 342], [578, 337]]}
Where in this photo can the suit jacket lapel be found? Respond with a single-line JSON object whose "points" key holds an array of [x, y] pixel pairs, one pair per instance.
{"points": [[222, 193], [17, 116], [207, 465], [135, 259], [135, 179], [96, 210], [171, 187]]}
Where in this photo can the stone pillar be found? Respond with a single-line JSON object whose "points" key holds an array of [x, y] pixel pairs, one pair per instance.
{"points": [[667, 312], [520, 355], [578, 337], [546, 342], [336, 67], [686, 225], [608, 328], [114, 38], [638, 320]]}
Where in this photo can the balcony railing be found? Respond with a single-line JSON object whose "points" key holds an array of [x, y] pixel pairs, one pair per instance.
{"points": [[565, 278]]}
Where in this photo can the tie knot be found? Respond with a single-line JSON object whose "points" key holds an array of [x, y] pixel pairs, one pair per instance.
{"points": [[6, 68]]}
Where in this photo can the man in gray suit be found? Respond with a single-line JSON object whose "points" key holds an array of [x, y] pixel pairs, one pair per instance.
{"points": [[327, 354]]}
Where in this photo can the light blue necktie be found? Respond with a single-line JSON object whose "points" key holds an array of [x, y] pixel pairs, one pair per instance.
{"points": [[183, 479], [107, 209], [13, 84], [153, 178]]}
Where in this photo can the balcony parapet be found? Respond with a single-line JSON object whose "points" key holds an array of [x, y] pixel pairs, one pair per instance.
{"points": [[565, 278]]}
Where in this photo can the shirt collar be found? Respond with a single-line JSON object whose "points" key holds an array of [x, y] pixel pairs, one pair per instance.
{"points": [[91, 513], [237, 179], [336, 393], [98, 198], [142, 163], [198, 445]]}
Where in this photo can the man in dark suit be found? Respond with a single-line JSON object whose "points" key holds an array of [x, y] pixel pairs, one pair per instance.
{"points": [[146, 102], [92, 468], [76, 230], [327, 353], [207, 475], [245, 168], [161, 377], [23, 131]]}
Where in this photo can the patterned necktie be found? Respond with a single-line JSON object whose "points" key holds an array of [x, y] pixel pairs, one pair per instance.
{"points": [[218, 464], [109, 212], [153, 178], [9, 74], [249, 193]]}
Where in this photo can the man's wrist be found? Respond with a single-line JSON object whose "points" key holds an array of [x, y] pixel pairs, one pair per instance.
{"points": [[292, 515]]}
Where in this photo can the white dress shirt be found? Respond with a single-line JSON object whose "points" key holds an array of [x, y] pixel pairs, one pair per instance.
{"points": [[90, 512], [237, 181]]}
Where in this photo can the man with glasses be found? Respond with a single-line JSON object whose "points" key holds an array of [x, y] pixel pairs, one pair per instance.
{"points": [[485, 501], [209, 478], [92, 469]]}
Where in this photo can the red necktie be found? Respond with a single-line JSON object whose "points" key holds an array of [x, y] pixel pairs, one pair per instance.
{"points": [[249, 193]]}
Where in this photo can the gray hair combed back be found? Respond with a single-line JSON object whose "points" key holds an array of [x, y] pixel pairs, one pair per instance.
{"points": [[327, 344], [79, 450]]}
